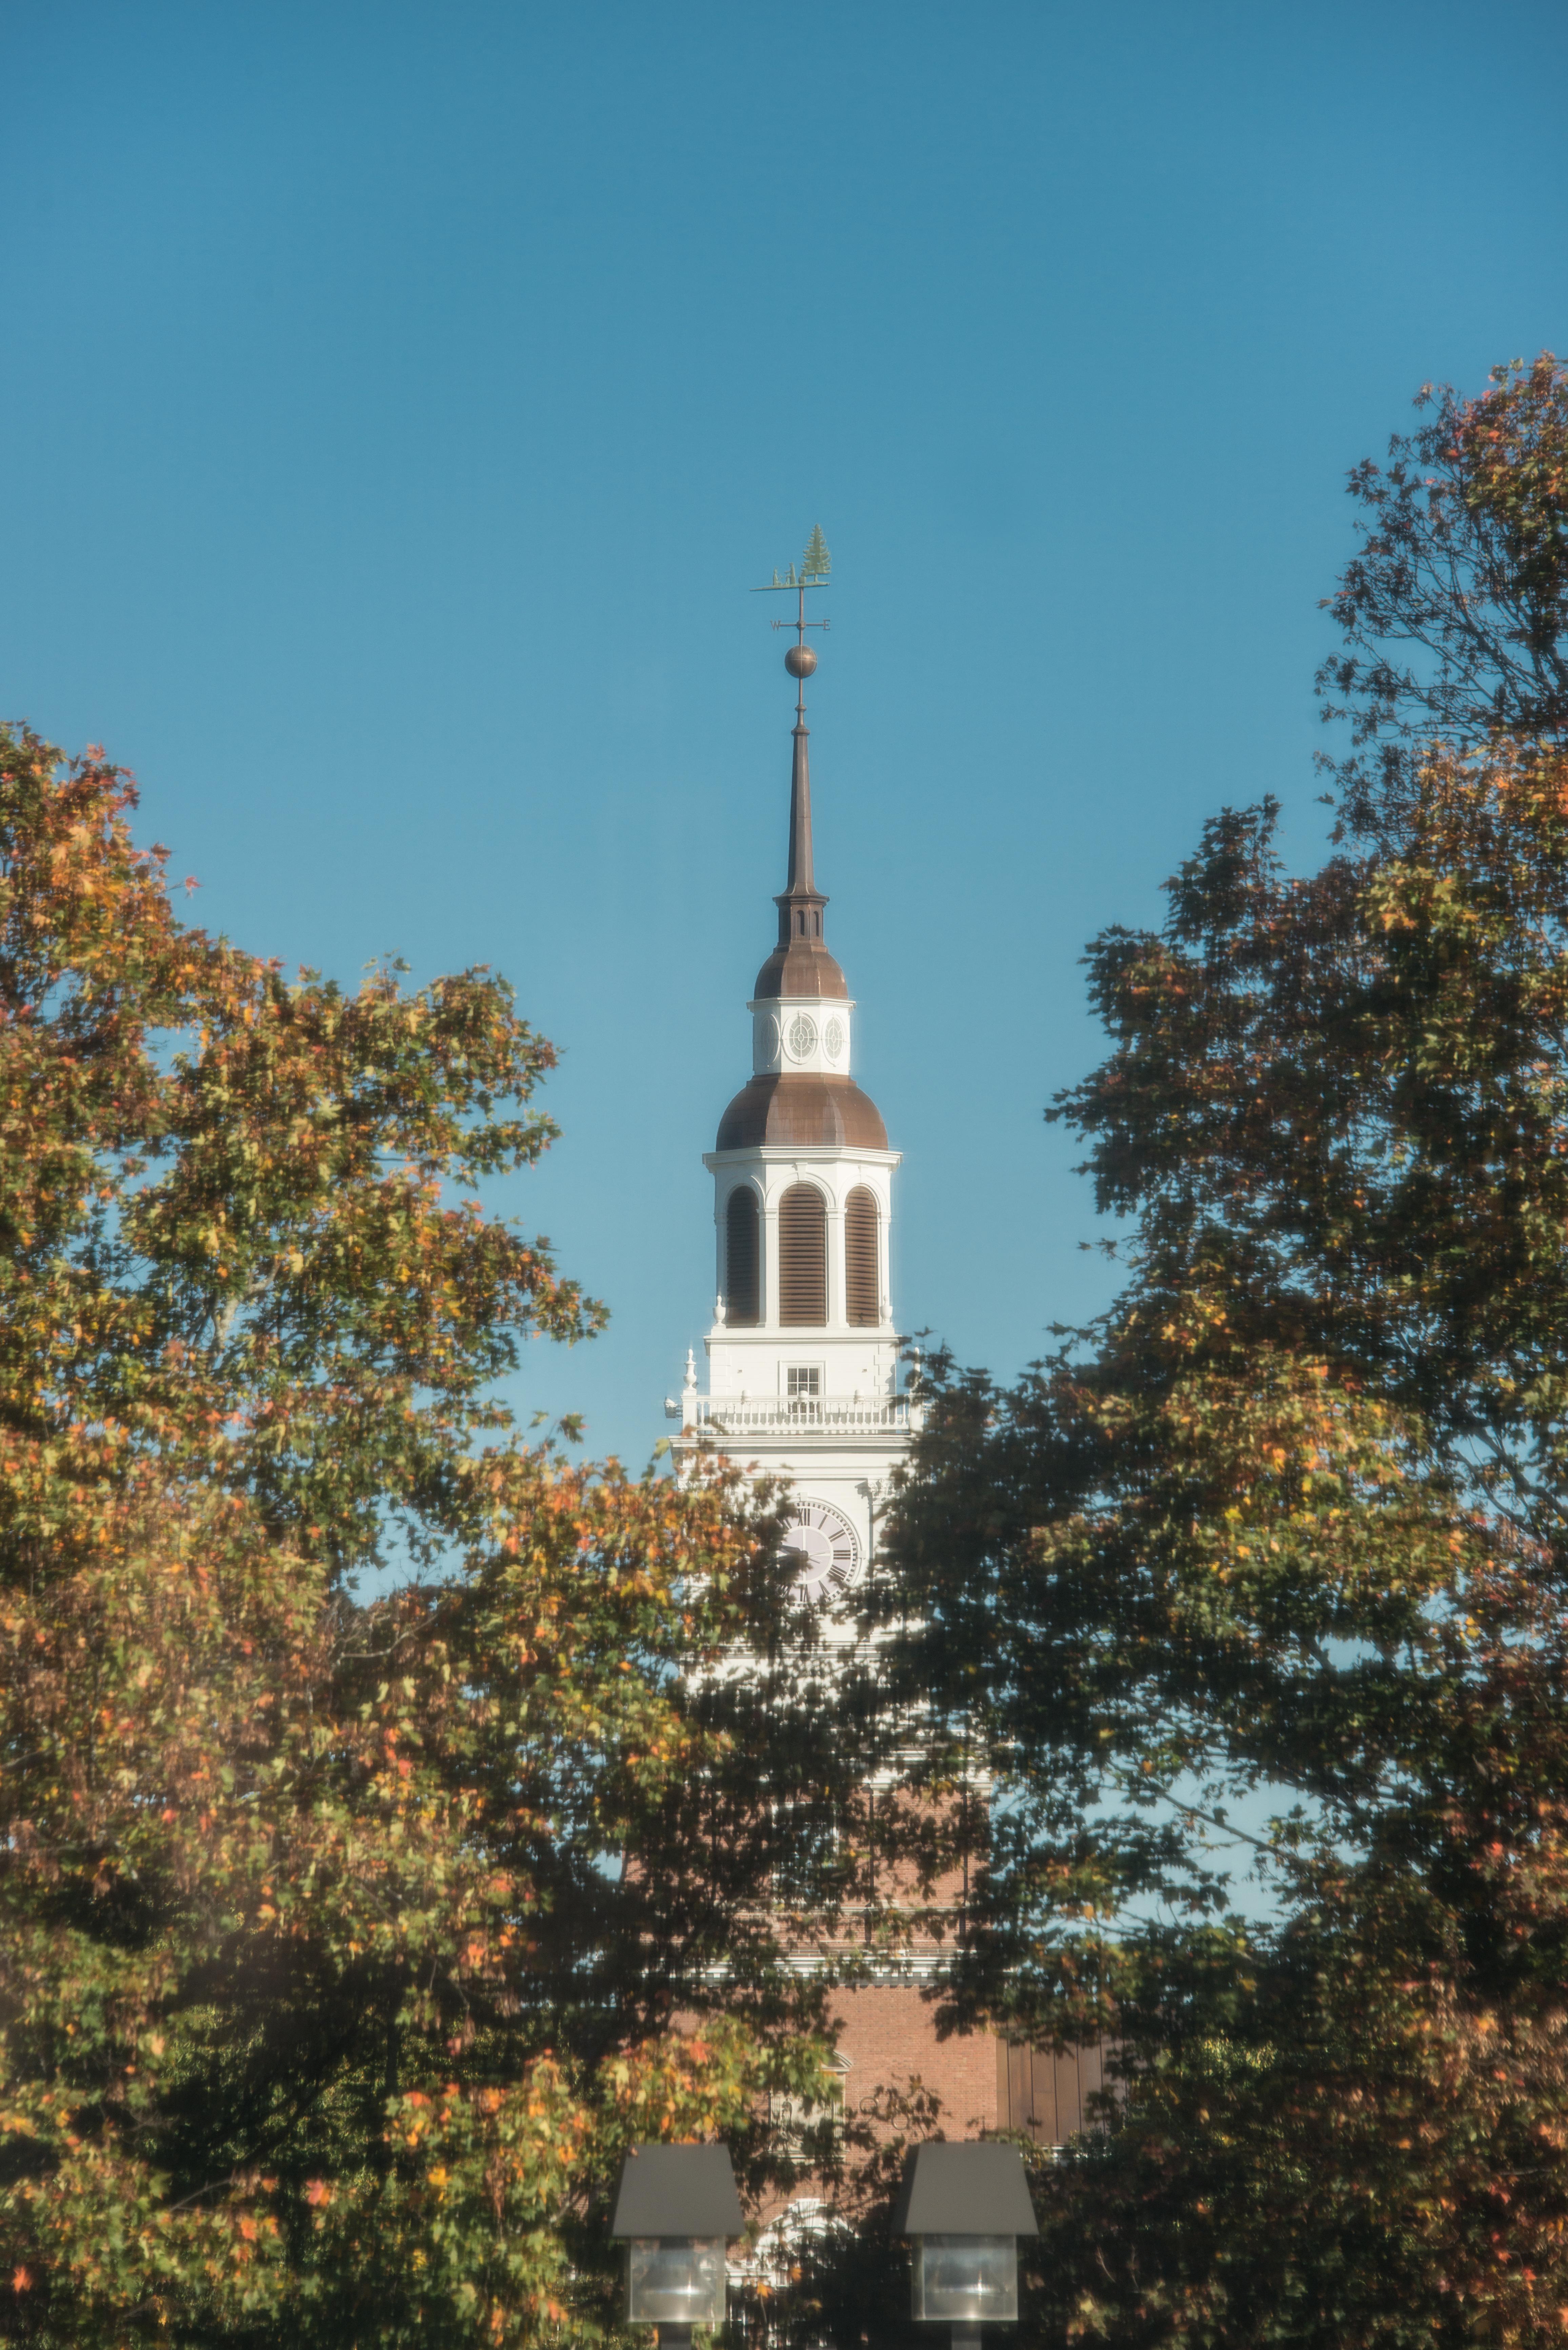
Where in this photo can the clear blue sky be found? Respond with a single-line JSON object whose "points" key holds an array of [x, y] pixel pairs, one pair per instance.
{"points": [[400, 399]]}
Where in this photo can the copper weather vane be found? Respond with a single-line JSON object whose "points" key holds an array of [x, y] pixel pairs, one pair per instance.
{"points": [[816, 565]]}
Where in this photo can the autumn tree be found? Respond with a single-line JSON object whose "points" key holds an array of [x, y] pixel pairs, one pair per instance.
{"points": [[1453, 614], [344, 1947], [1271, 1563]]}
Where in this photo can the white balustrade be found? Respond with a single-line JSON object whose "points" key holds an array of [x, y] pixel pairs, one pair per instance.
{"points": [[799, 1416]]}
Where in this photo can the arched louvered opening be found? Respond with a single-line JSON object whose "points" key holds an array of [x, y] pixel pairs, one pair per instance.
{"points": [[802, 1257], [862, 1288], [742, 1259]]}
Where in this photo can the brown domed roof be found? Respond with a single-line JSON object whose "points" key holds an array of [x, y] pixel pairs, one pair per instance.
{"points": [[803, 967], [800, 1108]]}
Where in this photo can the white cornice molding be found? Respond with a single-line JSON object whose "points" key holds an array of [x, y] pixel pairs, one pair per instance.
{"points": [[801, 1003], [776, 1154]]}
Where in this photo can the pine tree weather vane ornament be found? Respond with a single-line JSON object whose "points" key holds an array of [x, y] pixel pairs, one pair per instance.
{"points": [[816, 565]]}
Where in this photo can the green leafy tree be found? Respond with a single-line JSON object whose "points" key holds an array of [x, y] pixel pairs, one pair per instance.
{"points": [[344, 1948], [1191, 1570], [1340, 1103], [1454, 614], [1290, 1524]]}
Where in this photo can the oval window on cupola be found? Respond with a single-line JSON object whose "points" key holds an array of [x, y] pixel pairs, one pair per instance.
{"points": [[802, 1257], [742, 1259]]}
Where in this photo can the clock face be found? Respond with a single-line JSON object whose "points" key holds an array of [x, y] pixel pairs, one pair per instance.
{"points": [[821, 1549], [802, 1036], [833, 1038]]}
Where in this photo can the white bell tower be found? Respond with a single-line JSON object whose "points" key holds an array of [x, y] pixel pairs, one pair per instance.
{"points": [[803, 1363], [804, 1354]]}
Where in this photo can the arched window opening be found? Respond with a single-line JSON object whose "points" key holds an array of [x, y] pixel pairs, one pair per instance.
{"points": [[862, 1288], [742, 1259], [802, 1257]]}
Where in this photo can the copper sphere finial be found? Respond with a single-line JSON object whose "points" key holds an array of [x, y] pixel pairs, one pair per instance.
{"points": [[800, 661]]}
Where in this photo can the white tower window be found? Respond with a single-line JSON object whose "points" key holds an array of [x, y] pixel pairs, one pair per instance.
{"points": [[862, 1282], [802, 1258], [742, 1259]]}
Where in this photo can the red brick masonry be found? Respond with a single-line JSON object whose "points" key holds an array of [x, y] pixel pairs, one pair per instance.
{"points": [[889, 2041]]}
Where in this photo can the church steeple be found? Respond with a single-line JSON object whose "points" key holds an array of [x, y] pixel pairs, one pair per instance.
{"points": [[804, 1351], [804, 1386], [801, 880], [799, 964], [802, 1335], [800, 1092]]}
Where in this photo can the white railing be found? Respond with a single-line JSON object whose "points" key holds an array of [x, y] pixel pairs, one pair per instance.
{"points": [[798, 1416]]}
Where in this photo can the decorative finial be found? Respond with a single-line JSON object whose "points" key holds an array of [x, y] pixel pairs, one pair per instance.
{"points": [[802, 902], [816, 565]]}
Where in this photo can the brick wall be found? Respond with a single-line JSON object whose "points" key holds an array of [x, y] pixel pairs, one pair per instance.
{"points": [[888, 2040]]}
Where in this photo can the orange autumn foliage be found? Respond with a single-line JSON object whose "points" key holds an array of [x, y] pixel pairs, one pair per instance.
{"points": [[325, 2010]]}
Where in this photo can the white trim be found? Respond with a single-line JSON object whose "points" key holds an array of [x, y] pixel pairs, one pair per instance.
{"points": [[780, 1154]]}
